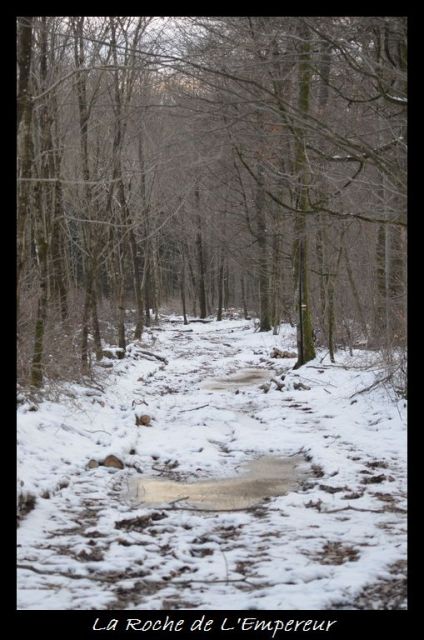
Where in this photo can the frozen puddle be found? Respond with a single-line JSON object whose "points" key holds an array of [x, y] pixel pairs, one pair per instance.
{"points": [[244, 378], [262, 478]]}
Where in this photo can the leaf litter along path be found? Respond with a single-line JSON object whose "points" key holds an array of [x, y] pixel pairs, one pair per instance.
{"points": [[336, 540]]}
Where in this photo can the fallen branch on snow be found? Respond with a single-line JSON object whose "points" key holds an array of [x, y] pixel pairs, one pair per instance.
{"points": [[280, 385], [52, 573], [349, 508], [296, 453], [153, 355], [375, 384], [202, 406]]}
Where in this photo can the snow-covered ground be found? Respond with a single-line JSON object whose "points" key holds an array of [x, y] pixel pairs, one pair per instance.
{"points": [[85, 545]]}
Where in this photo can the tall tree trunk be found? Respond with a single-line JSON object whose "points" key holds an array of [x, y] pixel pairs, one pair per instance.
{"points": [[126, 217], [379, 328], [139, 283], [89, 241], [96, 328], [59, 288], [330, 318], [122, 214], [319, 248], [183, 286], [121, 319], [44, 205], [88, 306], [305, 339], [25, 151], [193, 283], [226, 284], [156, 280], [306, 349], [243, 298], [37, 368], [200, 257], [359, 309], [147, 289], [396, 286], [137, 287], [148, 294], [330, 289], [261, 235], [276, 275], [261, 232], [24, 54], [220, 285]]}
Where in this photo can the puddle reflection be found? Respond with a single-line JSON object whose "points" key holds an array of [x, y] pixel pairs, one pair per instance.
{"points": [[261, 478]]}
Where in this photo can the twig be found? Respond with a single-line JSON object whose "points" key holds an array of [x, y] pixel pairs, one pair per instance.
{"points": [[217, 581], [51, 573], [318, 381], [194, 408], [99, 431], [172, 502], [296, 453], [330, 366], [94, 385], [349, 508], [153, 355], [256, 507], [137, 402], [373, 385], [157, 469], [70, 429]]}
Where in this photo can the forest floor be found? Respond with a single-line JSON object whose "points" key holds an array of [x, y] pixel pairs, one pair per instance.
{"points": [[335, 540]]}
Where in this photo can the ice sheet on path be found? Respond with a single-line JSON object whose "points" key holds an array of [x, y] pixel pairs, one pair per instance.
{"points": [[263, 478], [246, 377], [317, 546]]}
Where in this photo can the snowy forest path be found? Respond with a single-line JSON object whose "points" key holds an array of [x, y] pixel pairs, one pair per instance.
{"points": [[85, 545]]}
